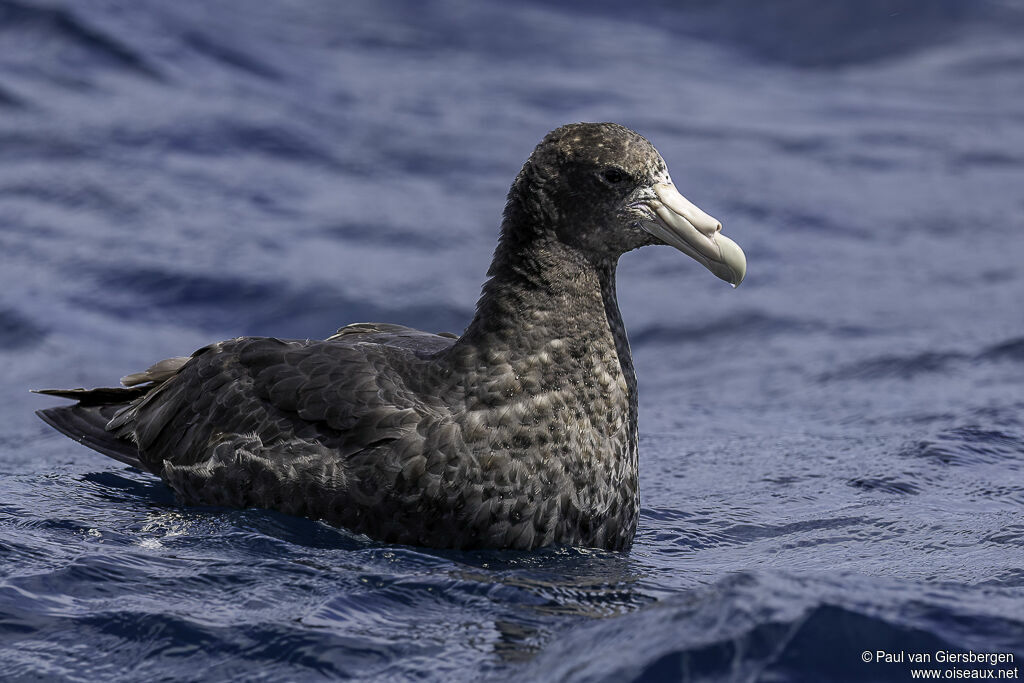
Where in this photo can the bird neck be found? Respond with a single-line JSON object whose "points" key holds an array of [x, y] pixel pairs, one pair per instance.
{"points": [[542, 295]]}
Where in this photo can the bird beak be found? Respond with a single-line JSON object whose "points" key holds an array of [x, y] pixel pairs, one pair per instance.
{"points": [[676, 221]]}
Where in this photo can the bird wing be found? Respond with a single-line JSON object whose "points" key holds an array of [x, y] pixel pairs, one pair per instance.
{"points": [[357, 430], [346, 394]]}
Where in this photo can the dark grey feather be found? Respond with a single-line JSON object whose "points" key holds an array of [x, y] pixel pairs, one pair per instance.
{"points": [[87, 424]]}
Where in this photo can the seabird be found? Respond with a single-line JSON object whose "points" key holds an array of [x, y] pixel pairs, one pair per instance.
{"points": [[521, 433]]}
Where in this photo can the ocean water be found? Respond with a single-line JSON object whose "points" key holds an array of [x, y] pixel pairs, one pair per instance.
{"points": [[832, 455]]}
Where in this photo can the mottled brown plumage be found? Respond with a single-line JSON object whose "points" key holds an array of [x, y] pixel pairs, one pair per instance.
{"points": [[520, 433]]}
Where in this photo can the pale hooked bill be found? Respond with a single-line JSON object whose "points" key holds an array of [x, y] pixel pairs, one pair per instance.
{"points": [[682, 224]]}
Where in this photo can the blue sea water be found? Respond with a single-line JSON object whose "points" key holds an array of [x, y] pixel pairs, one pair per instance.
{"points": [[832, 455]]}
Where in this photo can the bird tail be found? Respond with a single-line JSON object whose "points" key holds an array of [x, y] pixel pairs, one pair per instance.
{"points": [[86, 421]]}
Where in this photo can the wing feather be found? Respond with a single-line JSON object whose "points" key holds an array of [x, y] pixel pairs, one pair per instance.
{"points": [[347, 394]]}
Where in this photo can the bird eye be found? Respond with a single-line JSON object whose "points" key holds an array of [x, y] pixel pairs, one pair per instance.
{"points": [[614, 175]]}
